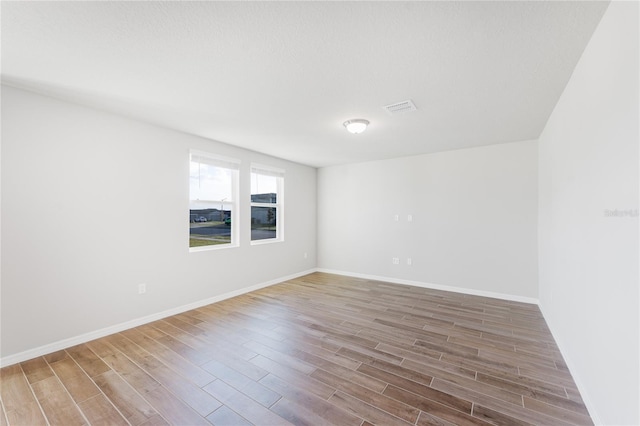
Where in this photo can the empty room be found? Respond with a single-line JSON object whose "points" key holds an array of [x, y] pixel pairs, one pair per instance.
{"points": [[316, 213]]}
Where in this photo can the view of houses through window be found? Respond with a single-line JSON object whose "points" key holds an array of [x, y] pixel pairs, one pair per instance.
{"points": [[266, 203], [212, 193], [213, 208]]}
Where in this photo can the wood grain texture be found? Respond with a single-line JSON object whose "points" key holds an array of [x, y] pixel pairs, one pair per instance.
{"points": [[99, 411], [317, 350]]}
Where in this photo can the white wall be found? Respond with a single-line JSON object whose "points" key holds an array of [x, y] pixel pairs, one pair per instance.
{"points": [[588, 162], [94, 204], [474, 222]]}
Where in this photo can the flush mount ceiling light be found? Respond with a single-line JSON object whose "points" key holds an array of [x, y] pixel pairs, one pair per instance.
{"points": [[357, 125]]}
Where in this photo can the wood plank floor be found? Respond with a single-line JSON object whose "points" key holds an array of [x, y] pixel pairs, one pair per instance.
{"points": [[320, 349]]}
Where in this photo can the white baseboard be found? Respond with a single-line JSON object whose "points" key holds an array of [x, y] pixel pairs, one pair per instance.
{"points": [[591, 408], [503, 296], [83, 338]]}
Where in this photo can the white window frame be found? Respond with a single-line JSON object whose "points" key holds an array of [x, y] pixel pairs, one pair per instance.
{"points": [[230, 164], [279, 204]]}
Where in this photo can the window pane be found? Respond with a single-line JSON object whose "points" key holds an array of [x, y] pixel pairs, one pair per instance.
{"points": [[213, 184], [266, 203], [210, 225], [207, 182], [263, 188], [263, 223]]}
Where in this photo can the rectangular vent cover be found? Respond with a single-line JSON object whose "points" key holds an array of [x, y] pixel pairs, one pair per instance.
{"points": [[400, 107]]}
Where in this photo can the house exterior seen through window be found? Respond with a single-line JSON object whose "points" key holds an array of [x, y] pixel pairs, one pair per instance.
{"points": [[267, 213], [213, 194]]}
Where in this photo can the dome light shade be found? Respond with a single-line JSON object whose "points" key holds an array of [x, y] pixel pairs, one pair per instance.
{"points": [[357, 125]]}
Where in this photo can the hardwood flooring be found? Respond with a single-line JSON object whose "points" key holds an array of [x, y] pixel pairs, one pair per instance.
{"points": [[320, 349]]}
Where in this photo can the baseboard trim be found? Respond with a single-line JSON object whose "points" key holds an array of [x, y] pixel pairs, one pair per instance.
{"points": [[86, 337], [591, 408], [83, 338], [502, 296]]}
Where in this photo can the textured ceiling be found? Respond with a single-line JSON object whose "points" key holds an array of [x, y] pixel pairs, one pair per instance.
{"points": [[281, 77]]}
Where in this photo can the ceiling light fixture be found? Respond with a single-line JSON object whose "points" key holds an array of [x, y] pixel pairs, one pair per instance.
{"points": [[357, 125]]}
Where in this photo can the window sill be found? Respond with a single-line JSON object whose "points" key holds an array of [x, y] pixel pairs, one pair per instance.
{"points": [[266, 241], [212, 247]]}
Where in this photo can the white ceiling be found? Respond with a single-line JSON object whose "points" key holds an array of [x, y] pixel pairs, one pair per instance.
{"points": [[281, 77]]}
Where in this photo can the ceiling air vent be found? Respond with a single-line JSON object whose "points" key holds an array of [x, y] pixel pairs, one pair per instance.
{"points": [[400, 107]]}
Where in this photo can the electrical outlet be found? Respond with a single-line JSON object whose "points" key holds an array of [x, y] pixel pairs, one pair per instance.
{"points": [[305, 255], [409, 261], [142, 288], [395, 261], [396, 218], [410, 218]]}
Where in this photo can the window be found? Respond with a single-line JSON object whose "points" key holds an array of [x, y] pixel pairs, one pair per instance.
{"points": [[266, 204], [213, 191]]}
